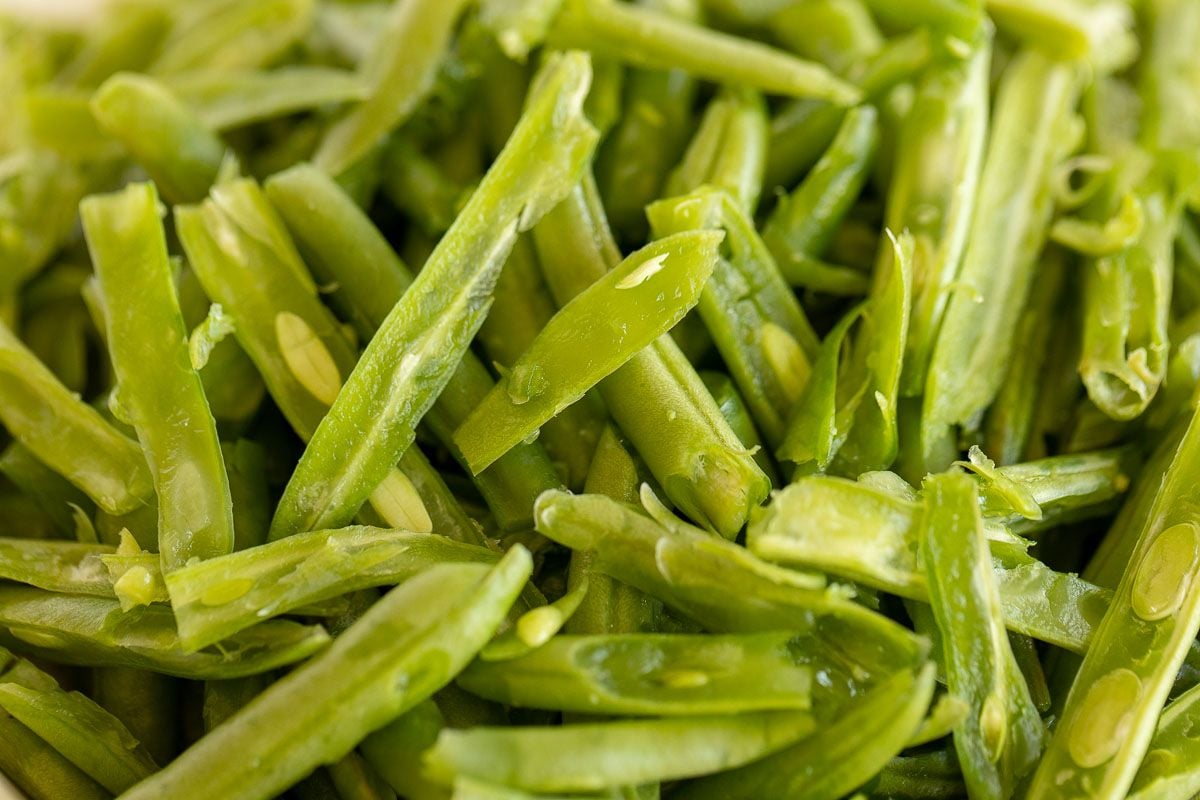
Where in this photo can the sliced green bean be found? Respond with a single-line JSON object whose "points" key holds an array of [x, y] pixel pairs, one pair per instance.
{"points": [[215, 599], [165, 137], [657, 399], [1099, 32], [147, 704], [733, 408], [67, 567], [404, 648], [933, 775], [399, 72], [1169, 770], [159, 388], [975, 341], [38, 769], [963, 21], [395, 751], [867, 732], [41, 193], [1110, 714], [846, 418], [230, 99], [644, 674], [53, 493], [728, 150], [90, 737], [93, 631], [419, 188], [620, 314], [230, 35], [371, 278], [933, 193], [1000, 739], [607, 754], [803, 222], [1168, 75], [126, 41], [642, 37], [757, 323], [414, 353], [68, 435]]}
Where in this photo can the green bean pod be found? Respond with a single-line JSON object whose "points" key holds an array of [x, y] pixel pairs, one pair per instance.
{"points": [[39, 770], [224, 100], [399, 72], [657, 399], [648, 674], [161, 133], [404, 648], [613, 753], [1169, 770], [642, 37], [756, 321], [854, 746], [417, 348], [975, 342], [395, 751], [215, 599], [1000, 739], [145, 702], [158, 386], [728, 150], [51, 492], [1109, 717], [619, 315], [229, 35], [67, 567], [67, 435]]}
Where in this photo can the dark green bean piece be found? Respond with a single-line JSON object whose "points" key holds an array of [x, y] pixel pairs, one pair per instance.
{"points": [[158, 386], [53, 493], [404, 648], [395, 751], [733, 408], [1169, 770], [728, 150], [146, 702], [93, 631], [38, 769], [933, 775], [417, 348]]}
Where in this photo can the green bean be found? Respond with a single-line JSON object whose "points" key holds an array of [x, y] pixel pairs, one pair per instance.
{"points": [[67, 435], [846, 418], [933, 192], [650, 136], [162, 134], [90, 737], [223, 699], [802, 224], [1108, 721], [728, 150], [224, 99], [434, 321], [656, 399], [215, 599], [145, 702], [868, 731], [419, 188], [1168, 77], [870, 536], [683, 567], [355, 779], [642, 37], [962, 21], [612, 320], [41, 193], [92, 631], [404, 648], [1000, 739], [606, 754], [518, 27], [1169, 771], [38, 769], [933, 775], [1070, 29], [947, 712], [54, 494], [67, 567], [159, 388], [61, 120], [125, 41], [734, 410], [1126, 310], [756, 322], [398, 72], [803, 130], [1011, 419], [975, 341], [395, 751], [355, 256], [644, 675], [229, 35]]}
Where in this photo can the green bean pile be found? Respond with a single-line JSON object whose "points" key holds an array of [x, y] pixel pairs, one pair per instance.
{"points": [[685, 399]]}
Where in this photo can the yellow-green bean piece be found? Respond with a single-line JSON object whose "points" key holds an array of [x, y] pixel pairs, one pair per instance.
{"points": [[223, 99], [1171, 767]]}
